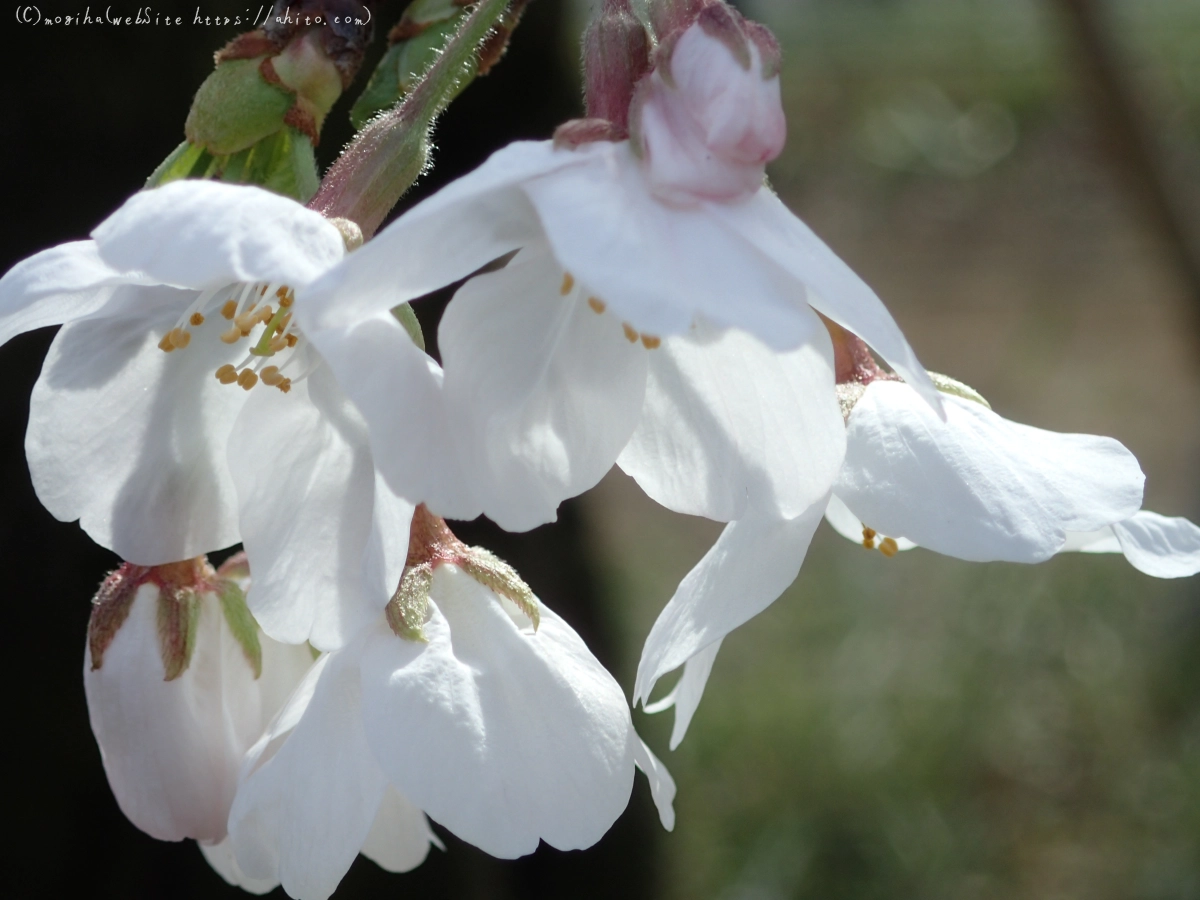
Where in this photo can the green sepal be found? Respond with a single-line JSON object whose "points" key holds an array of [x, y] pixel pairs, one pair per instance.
{"points": [[178, 615], [236, 108], [948, 385], [494, 573], [241, 623], [282, 162], [405, 315], [408, 610]]}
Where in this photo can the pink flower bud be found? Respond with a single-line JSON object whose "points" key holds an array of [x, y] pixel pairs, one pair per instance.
{"points": [[710, 116]]}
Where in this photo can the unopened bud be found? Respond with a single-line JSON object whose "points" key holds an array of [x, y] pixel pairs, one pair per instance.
{"points": [[673, 16], [709, 118], [616, 56], [257, 117]]}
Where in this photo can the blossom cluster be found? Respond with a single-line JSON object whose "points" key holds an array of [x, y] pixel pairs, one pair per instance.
{"points": [[236, 368]]}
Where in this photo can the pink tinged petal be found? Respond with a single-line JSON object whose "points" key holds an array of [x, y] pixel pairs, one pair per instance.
{"points": [[171, 749], [847, 524], [470, 222], [1160, 546], [978, 486], [131, 440], [400, 836], [326, 542], [55, 286], [503, 735], [662, 785], [710, 130], [398, 390], [205, 234], [729, 424], [833, 288], [223, 861], [541, 392], [660, 266], [750, 565], [310, 789], [685, 696]]}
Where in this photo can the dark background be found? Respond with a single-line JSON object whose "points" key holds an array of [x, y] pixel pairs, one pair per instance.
{"points": [[87, 115]]}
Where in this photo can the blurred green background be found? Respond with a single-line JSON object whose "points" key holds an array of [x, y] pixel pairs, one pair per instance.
{"points": [[920, 727], [907, 728]]}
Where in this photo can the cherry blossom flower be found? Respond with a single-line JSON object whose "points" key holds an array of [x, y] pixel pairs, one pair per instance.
{"points": [[180, 683], [983, 488], [489, 715], [975, 486], [181, 296], [633, 254]]}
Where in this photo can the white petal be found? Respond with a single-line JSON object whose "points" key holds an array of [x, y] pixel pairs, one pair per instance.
{"points": [[978, 486], [728, 423], [172, 749], [656, 265], [751, 564], [221, 857], [542, 392], [470, 222], [308, 797], [685, 696], [833, 288], [847, 524], [400, 837], [131, 440], [1102, 540], [205, 234], [1160, 546], [502, 735], [398, 390], [63, 283], [324, 546], [662, 785]]}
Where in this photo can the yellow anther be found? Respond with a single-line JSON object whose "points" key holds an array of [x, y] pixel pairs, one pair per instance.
{"points": [[888, 547], [287, 299], [292, 340], [247, 379], [650, 342], [229, 310], [630, 334], [264, 313], [285, 385], [165, 344], [262, 291], [246, 329], [283, 323], [868, 533], [179, 337], [276, 345], [197, 319], [568, 283], [270, 375], [227, 374], [232, 335], [869, 543], [598, 306]]}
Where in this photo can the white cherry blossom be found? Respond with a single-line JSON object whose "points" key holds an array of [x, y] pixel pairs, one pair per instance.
{"points": [[981, 488], [635, 257], [504, 734], [179, 685], [128, 425], [975, 486]]}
